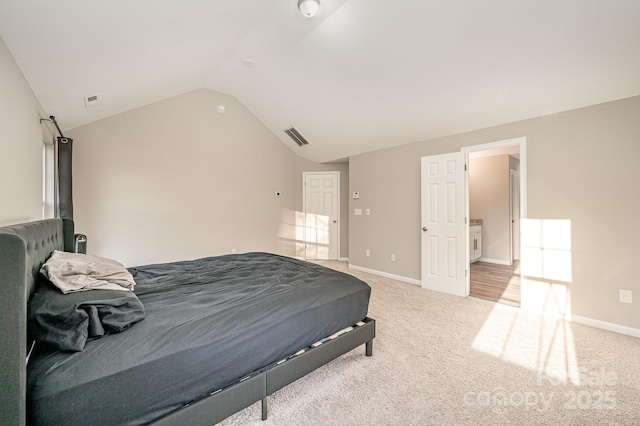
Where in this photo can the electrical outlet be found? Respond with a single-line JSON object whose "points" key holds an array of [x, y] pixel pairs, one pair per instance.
{"points": [[393, 257], [626, 296], [234, 251], [367, 253]]}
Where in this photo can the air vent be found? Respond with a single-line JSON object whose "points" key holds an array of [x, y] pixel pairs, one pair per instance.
{"points": [[296, 136], [90, 101]]}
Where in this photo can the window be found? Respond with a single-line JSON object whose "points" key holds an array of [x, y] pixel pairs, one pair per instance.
{"points": [[48, 177]]}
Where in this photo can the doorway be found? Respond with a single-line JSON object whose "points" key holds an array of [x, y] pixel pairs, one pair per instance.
{"points": [[321, 204], [495, 276]]}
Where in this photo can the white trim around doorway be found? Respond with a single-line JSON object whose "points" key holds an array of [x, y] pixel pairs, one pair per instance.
{"points": [[521, 143]]}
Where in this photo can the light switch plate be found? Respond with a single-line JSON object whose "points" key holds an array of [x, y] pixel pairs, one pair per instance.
{"points": [[357, 212]]}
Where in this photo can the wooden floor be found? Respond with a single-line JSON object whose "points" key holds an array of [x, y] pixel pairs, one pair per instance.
{"points": [[497, 283]]}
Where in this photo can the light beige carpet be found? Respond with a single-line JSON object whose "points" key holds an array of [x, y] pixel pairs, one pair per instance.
{"points": [[444, 360]]}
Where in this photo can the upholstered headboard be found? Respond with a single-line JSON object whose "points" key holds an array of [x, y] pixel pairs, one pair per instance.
{"points": [[23, 250]]}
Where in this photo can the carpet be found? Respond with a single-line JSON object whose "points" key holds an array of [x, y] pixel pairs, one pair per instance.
{"points": [[444, 360]]}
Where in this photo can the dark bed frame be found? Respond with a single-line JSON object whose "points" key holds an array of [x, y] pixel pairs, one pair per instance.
{"points": [[23, 250]]}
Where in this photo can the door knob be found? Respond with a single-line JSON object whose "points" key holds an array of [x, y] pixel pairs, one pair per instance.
{"points": [[424, 229]]}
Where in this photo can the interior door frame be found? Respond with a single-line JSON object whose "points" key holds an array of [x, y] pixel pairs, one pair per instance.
{"points": [[514, 211], [521, 142], [304, 208]]}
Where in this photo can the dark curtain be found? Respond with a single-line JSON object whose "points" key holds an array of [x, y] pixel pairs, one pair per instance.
{"points": [[65, 180]]}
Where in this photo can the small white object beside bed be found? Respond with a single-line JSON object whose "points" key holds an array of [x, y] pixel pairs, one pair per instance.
{"points": [[219, 334]]}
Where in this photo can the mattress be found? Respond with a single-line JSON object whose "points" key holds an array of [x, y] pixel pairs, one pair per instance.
{"points": [[209, 322]]}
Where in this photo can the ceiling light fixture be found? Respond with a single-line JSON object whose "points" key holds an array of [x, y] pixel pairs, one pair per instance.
{"points": [[309, 7]]}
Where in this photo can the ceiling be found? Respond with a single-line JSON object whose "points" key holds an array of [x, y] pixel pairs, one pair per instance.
{"points": [[359, 76]]}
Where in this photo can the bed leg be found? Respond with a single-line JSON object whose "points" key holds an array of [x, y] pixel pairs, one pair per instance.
{"points": [[264, 408], [368, 348]]}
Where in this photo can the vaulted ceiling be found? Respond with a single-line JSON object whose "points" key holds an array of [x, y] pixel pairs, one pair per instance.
{"points": [[359, 76]]}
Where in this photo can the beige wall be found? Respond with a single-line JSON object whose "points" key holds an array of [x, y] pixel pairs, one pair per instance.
{"points": [[489, 201], [21, 140], [177, 180], [582, 169], [304, 165]]}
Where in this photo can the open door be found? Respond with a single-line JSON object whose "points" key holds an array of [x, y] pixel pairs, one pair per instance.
{"points": [[444, 231]]}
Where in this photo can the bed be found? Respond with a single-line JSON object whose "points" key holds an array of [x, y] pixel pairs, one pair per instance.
{"points": [[219, 334]]}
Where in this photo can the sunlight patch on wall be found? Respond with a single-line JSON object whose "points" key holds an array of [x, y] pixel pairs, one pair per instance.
{"points": [[311, 236], [547, 249], [316, 236], [287, 233], [299, 234], [547, 269], [543, 296]]}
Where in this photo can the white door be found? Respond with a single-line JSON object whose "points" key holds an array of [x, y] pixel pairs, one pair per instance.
{"points": [[444, 232], [322, 210]]}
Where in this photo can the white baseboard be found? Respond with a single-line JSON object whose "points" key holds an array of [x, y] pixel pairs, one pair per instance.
{"points": [[386, 275], [342, 259], [603, 325], [496, 261], [609, 326]]}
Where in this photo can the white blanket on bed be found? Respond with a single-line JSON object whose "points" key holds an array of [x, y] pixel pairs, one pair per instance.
{"points": [[80, 272]]}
